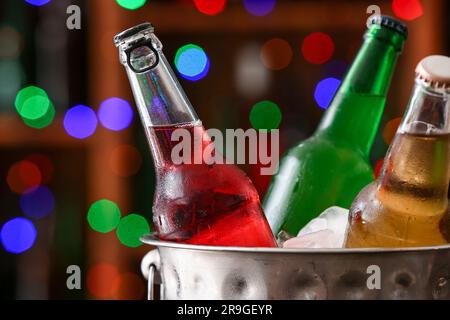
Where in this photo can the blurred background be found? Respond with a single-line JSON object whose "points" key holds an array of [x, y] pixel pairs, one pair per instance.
{"points": [[76, 175]]}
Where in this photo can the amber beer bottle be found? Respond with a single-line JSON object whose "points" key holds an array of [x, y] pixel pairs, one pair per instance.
{"points": [[407, 206]]}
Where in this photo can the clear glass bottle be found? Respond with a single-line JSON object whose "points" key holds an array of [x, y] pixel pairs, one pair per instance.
{"points": [[407, 206], [196, 200]]}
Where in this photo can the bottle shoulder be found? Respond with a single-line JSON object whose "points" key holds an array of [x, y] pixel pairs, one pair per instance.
{"points": [[322, 147]]}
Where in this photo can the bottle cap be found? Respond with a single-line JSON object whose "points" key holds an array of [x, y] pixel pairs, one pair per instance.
{"points": [[435, 71], [119, 38], [389, 22]]}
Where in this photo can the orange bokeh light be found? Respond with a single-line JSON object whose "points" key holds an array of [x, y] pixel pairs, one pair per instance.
{"points": [[100, 280], [276, 54], [125, 160], [390, 129], [128, 286]]}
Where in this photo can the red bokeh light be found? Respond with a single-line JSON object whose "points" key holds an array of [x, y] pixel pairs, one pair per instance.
{"points": [[318, 48], [378, 167], [45, 166], [276, 54], [407, 9], [128, 286], [100, 280], [22, 176], [210, 7], [390, 129]]}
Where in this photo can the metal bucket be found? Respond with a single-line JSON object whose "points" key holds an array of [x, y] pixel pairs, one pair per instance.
{"points": [[191, 272]]}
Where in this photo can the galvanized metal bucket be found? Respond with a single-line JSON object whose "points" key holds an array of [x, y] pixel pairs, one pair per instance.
{"points": [[191, 272]]}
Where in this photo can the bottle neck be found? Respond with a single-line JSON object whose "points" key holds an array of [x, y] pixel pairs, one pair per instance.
{"points": [[417, 161], [354, 115], [161, 102], [159, 97]]}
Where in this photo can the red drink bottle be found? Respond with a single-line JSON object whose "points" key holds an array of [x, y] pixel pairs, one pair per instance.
{"points": [[196, 200]]}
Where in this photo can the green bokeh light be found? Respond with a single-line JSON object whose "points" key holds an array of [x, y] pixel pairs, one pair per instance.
{"points": [[265, 115], [131, 4], [35, 108], [131, 228], [24, 94], [104, 216]]}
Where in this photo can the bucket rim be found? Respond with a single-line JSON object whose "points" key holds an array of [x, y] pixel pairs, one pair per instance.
{"points": [[150, 239]]}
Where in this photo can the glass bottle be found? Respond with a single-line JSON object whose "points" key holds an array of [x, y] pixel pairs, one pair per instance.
{"points": [[198, 199], [331, 167], [407, 205]]}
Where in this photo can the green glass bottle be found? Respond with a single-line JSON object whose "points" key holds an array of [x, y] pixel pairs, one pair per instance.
{"points": [[332, 166]]}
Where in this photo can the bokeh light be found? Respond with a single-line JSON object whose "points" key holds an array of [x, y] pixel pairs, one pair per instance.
{"points": [[103, 216], [325, 91], [35, 108], [390, 129], [276, 54], [378, 167], [23, 175], [125, 160], [131, 228], [80, 122], [265, 115], [11, 43], [259, 7], [100, 279], [38, 112], [251, 77], [11, 76], [37, 202], [28, 92], [407, 9], [192, 62], [131, 4], [45, 166], [335, 69], [18, 235], [317, 48], [128, 286], [210, 7], [115, 114], [37, 3]]}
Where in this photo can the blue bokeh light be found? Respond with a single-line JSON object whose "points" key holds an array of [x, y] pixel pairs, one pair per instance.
{"points": [[325, 91], [335, 69], [115, 114], [259, 7], [18, 235], [37, 202], [80, 122], [192, 62], [37, 3]]}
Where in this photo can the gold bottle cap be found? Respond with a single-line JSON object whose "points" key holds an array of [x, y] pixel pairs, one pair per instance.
{"points": [[435, 70]]}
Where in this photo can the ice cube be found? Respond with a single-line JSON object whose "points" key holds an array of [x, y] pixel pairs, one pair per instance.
{"points": [[319, 239], [325, 231]]}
